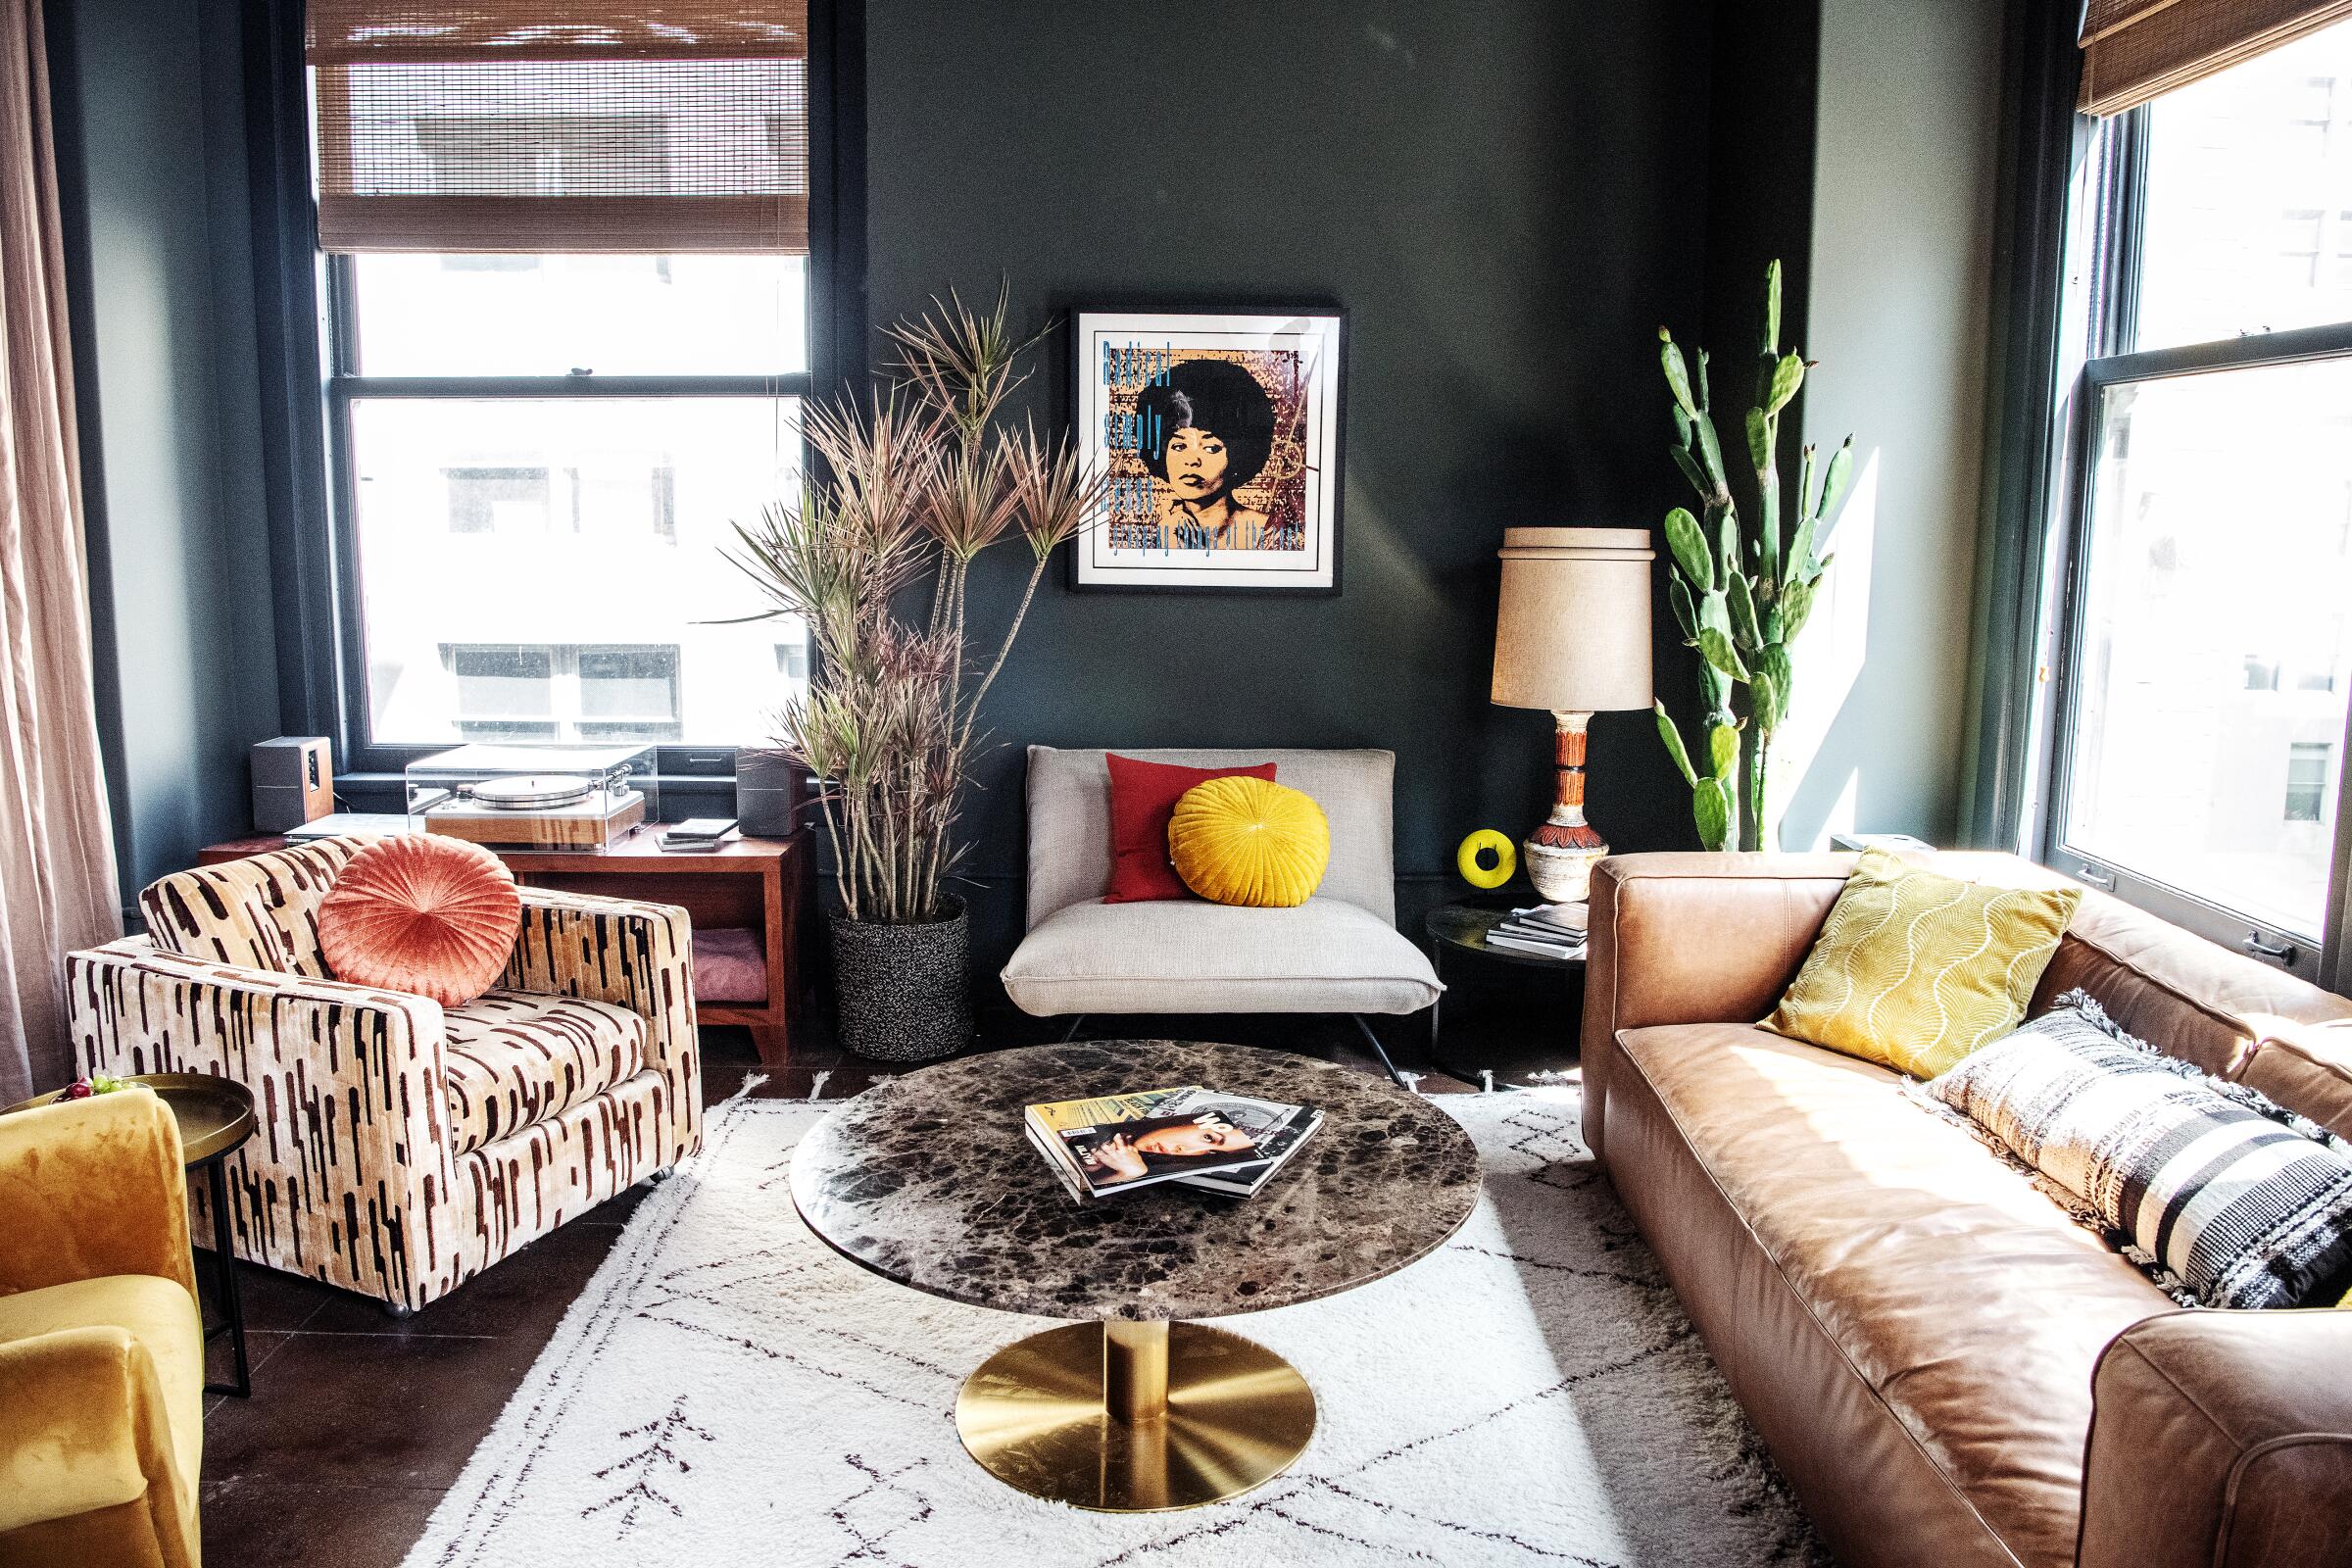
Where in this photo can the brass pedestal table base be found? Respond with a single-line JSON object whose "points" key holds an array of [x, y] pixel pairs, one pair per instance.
{"points": [[1135, 1417], [929, 1179]]}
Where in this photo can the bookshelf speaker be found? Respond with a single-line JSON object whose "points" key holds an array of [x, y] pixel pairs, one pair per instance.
{"points": [[768, 790], [293, 782]]}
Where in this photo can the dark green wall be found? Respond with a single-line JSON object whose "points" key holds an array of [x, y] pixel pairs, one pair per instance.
{"points": [[1508, 197], [151, 167]]}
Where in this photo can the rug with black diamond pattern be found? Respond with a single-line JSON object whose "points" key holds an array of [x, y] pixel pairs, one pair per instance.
{"points": [[729, 1391]]}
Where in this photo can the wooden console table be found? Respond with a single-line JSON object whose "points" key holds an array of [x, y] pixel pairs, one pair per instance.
{"points": [[759, 885]]}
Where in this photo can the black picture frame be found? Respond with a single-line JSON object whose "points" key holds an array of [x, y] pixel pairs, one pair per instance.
{"points": [[1101, 561]]}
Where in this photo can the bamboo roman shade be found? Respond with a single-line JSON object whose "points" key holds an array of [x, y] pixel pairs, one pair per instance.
{"points": [[2135, 49], [663, 126]]}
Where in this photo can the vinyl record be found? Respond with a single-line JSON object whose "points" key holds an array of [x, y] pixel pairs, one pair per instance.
{"points": [[526, 792]]}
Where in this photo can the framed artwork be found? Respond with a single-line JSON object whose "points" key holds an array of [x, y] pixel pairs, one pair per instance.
{"points": [[1220, 433]]}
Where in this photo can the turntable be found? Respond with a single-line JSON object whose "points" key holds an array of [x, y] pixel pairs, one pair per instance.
{"points": [[534, 796]]}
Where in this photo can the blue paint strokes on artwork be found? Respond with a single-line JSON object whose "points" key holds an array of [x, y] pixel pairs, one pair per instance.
{"points": [[1137, 365]]}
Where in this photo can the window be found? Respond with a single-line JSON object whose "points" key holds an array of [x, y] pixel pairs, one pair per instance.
{"points": [[2311, 115], [567, 302], [2307, 780], [2301, 251], [512, 692], [497, 500], [2240, 197], [503, 693], [2199, 637]]}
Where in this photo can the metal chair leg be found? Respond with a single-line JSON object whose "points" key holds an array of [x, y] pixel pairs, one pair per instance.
{"points": [[1379, 1050], [1077, 1022]]}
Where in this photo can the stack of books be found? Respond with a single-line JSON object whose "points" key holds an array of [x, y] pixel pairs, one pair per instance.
{"points": [[700, 833], [1547, 930], [1111, 1144]]}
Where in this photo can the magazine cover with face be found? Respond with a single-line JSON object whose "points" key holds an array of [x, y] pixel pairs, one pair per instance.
{"points": [[1119, 1142]]}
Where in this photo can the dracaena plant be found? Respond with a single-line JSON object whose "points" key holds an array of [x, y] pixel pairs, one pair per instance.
{"points": [[1741, 589], [875, 555]]}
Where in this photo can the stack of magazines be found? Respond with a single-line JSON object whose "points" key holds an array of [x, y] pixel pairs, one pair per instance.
{"points": [[702, 833], [1113, 1144], [1547, 930]]}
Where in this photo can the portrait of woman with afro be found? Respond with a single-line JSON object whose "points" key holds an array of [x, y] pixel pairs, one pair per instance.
{"points": [[1208, 429]]}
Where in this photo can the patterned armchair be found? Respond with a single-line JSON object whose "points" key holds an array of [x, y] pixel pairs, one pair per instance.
{"points": [[404, 1147]]}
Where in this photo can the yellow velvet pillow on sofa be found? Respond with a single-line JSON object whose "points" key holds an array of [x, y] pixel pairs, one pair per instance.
{"points": [[1250, 841], [1914, 970]]}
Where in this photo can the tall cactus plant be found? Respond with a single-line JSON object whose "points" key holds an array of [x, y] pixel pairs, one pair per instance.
{"points": [[1740, 595]]}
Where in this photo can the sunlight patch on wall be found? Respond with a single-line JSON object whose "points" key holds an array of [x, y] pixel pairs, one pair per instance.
{"points": [[1818, 753]]}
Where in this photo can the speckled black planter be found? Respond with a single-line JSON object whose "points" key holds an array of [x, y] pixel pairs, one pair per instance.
{"points": [[903, 993]]}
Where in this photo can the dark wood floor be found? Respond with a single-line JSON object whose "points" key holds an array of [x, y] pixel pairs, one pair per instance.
{"points": [[358, 1422]]}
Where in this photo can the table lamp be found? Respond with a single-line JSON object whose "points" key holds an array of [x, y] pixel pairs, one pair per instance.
{"points": [[1572, 635]]}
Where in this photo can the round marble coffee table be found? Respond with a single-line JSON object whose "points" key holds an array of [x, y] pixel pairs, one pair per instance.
{"points": [[929, 1181]]}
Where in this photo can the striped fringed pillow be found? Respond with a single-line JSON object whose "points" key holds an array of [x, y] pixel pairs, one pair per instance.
{"points": [[2211, 1179]]}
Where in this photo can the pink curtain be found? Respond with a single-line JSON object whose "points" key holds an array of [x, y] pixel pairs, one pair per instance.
{"points": [[57, 857]]}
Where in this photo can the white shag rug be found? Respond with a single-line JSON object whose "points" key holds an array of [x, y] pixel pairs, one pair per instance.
{"points": [[728, 1389]]}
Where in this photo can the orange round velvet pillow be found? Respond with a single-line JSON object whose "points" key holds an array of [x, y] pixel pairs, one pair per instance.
{"points": [[425, 913]]}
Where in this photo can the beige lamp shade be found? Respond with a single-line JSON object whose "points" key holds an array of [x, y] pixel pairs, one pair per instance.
{"points": [[1572, 634]]}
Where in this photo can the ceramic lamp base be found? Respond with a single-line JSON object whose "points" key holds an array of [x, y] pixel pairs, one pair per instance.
{"points": [[1562, 873], [1562, 852]]}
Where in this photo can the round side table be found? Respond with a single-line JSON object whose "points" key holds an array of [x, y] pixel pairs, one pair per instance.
{"points": [[1460, 928], [214, 1117], [1131, 1405]]}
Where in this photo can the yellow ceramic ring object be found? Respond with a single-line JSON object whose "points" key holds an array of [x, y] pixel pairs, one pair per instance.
{"points": [[1506, 858]]}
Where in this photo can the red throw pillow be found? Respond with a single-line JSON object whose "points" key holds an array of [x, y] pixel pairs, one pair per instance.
{"points": [[1143, 797], [425, 913]]}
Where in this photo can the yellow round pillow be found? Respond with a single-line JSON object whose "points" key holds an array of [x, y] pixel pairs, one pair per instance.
{"points": [[1250, 841]]}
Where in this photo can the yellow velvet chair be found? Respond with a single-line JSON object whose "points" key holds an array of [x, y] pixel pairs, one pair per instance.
{"points": [[101, 1339]]}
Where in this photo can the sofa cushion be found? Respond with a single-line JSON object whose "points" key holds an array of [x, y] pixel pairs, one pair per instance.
{"points": [[162, 1316], [1915, 970], [2307, 1068], [2207, 1178], [1143, 799], [1249, 842], [425, 913], [513, 1059], [2185, 995], [730, 964], [1967, 1301], [1321, 957]]}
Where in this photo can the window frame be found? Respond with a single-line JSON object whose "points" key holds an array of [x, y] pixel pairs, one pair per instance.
{"points": [[2111, 254], [304, 316], [346, 385]]}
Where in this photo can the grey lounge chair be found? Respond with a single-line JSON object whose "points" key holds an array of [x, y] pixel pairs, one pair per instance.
{"points": [[1338, 952]]}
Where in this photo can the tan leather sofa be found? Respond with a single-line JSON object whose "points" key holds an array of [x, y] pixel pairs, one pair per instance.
{"points": [[1946, 1368]]}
